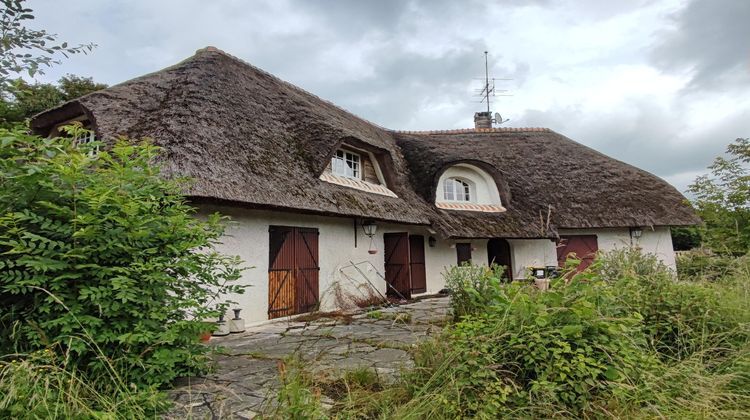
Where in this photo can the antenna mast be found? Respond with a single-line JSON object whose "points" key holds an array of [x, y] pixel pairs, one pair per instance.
{"points": [[485, 119], [487, 90]]}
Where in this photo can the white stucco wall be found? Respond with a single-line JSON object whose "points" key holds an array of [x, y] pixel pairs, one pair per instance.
{"points": [[248, 237], [657, 241], [526, 253]]}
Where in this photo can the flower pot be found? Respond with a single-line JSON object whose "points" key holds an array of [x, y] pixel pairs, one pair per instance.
{"points": [[205, 336]]}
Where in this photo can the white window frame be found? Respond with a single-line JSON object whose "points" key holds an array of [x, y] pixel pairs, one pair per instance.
{"points": [[347, 164], [457, 190]]}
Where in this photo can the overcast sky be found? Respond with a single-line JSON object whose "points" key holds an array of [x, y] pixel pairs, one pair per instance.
{"points": [[663, 85]]}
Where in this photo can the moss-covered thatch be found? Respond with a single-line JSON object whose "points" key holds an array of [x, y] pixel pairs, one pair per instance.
{"points": [[549, 177], [249, 138]]}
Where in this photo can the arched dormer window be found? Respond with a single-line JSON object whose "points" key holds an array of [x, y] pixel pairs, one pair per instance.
{"points": [[467, 187], [456, 189]]}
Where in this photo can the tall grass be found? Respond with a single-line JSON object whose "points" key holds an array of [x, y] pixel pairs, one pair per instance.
{"points": [[44, 385], [623, 339], [49, 384]]}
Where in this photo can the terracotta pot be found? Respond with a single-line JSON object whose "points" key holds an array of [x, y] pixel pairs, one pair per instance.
{"points": [[205, 336]]}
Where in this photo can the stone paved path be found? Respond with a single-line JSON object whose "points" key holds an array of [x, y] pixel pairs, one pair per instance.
{"points": [[247, 374]]}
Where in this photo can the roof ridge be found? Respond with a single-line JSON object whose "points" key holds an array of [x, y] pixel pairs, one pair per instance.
{"points": [[476, 130], [212, 49]]}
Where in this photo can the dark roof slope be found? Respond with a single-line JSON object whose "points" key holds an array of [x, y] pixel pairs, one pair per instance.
{"points": [[545, 173], [246, 136]]}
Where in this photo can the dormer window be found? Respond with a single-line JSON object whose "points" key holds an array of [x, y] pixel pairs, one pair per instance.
{"points": [[358, 168], [347, 164], [455, 189], [467, 187]]}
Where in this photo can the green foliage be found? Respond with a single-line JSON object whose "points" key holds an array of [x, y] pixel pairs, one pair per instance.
{"points": [[43, 385], [722, 200], [23, 100], [100, 255], [473, 287], [685, 237], [27, 50], [622, 339], [701, 264], [297, 398], [680, 318]]}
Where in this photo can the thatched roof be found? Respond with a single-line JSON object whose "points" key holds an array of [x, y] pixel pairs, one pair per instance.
{"points": [[547, 176], [249, 138], [246, 136]]}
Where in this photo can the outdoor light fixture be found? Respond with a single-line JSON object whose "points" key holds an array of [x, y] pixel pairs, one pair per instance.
{"points": [[369, 228], [431, 241], [636, 232]]}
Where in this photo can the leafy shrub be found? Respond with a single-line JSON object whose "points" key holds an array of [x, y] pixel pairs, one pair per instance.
{"points": [[100, 255], [473, 287], [563, 347], [680, 317], [701, 264]]}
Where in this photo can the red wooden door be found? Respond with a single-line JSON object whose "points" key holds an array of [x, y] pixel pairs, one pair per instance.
{"points": [[584, 247], [397, 270], [417, 264], [293, 271]]}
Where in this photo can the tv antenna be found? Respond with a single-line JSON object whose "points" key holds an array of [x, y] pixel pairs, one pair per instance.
{"points": [[489, 91]]}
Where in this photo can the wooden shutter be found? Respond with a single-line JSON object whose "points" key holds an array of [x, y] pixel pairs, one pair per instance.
{"points": [[417, 264], [397, 270], [293, 271]]}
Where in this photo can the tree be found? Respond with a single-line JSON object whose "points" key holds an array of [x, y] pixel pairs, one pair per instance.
{"points": [[23, 100], [102, 257], [25, 50], [72, 86], [722, 200]]}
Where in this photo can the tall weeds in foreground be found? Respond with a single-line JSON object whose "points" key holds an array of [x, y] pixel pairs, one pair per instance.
{"points": [[44, 384], [623, 339]]}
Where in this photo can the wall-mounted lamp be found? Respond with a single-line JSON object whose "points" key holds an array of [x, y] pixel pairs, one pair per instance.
{"points": [[369, 228], [636, 232], [431, 241]]}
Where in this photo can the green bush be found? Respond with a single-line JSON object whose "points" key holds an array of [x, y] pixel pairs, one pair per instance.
{"points": [[563, 347], [473, 287], [622, 339], [701, 264], [99, 255], [680, 317]]}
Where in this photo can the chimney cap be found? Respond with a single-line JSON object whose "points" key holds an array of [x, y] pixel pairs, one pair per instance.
{"points": [[483, 119]]}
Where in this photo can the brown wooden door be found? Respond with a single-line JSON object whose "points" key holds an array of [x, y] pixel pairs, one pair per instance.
{"points": [[583, 246], [498, 252], [293, 271], [417, 264], [397, 270]]}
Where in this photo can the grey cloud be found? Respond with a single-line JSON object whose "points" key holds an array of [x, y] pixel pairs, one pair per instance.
{"points": [[653, 138], [710, 42], [410, 64]]}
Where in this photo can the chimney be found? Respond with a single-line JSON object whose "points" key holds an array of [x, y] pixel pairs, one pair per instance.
{"points": [[482, 120]]}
